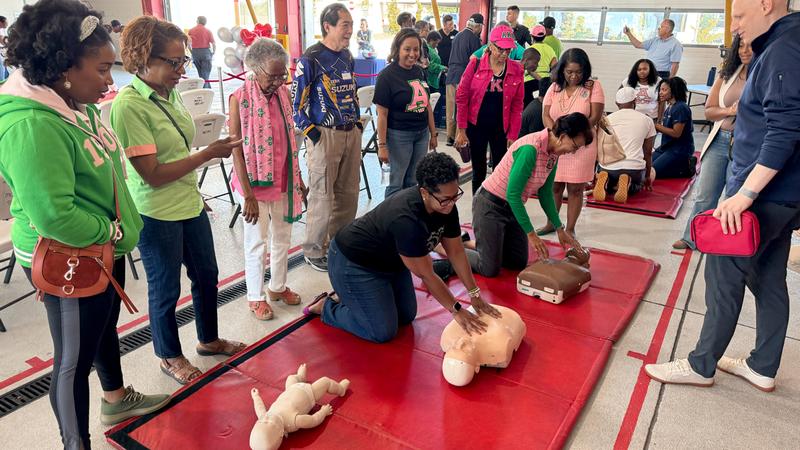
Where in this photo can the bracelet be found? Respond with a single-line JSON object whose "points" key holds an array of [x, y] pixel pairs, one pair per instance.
{"points": [[752, 195], [474, 292]]}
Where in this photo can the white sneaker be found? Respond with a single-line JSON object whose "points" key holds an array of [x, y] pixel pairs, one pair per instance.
{"points": [[740, 368], [677, 372]]}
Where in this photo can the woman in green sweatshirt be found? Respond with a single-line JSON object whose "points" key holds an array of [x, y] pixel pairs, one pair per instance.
{"points": [[60, 163]]}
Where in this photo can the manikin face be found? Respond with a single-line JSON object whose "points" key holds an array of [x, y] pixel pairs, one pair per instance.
{"points": [[664, 30], [643, 71], [409, 52], [745, 51], [339, 35], [91, 77]]}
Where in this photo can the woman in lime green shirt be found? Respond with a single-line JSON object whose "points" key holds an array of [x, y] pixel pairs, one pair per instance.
{"points": [[156, 132]]}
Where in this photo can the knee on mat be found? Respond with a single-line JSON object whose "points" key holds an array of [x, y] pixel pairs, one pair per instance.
{"points": [[383, 335]]}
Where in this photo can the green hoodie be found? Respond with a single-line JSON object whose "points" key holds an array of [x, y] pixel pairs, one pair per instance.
{"points": [[58, 172]]}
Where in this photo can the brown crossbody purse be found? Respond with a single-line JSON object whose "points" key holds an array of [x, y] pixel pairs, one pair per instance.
{"points": [[65, 271]]}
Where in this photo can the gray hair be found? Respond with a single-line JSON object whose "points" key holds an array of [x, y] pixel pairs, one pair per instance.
{"points": [[263, 50], [201, 20]]}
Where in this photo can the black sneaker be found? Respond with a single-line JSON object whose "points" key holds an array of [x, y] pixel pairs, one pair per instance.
{"points": [[443, 268], [451, 142], [319, 264], [465, 237]]}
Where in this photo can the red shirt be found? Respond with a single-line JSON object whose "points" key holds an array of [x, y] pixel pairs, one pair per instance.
{"points": [[201, 37]]}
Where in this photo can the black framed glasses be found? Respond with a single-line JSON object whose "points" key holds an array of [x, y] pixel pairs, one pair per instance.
{"points": [[176, 64], [444, 202], [270, 78]]}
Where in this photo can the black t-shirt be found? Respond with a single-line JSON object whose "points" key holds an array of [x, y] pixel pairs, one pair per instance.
{"points": [[398, 226], [532, 118], [405, 93], [491, 112], [446, 45], [522, 35]]}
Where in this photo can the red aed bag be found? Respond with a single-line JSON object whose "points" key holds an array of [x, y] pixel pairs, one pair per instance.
{"points": [[708, 238]]}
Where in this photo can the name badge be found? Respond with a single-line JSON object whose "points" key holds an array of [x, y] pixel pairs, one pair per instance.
{"points": [[347, 76]]}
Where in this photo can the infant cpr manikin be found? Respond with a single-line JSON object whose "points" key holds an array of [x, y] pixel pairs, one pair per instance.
{"points": [[290, 410], [555, 281], [465, 354]]}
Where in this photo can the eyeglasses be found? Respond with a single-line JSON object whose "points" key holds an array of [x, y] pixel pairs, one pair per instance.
{"points": [[269, 78], [176, 64], [575, 145], [507, 51], [449, 200]]}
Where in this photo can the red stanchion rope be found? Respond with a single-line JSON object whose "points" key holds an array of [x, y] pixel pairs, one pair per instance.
{"points": [[240, 76]]}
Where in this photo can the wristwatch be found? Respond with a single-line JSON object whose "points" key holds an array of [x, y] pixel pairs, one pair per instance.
{"points": [[752, 195], [456, 308]]}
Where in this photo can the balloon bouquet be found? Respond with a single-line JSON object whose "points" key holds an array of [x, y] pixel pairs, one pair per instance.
{"points": [[234, 57]]}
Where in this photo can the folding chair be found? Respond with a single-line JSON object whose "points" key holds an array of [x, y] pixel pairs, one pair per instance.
{"points": [[188, 84], [197, 101], [209, 128], [366, 95]]}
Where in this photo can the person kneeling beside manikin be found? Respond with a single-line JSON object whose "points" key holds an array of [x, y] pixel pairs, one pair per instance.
{"points": [[370, 261], [289, 412]]}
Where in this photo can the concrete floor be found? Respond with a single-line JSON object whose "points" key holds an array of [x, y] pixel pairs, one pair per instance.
{"points": [[730, 415]]}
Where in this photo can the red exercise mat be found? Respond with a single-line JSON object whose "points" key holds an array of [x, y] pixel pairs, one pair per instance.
{"points": [[398, 397], [665, 200]]}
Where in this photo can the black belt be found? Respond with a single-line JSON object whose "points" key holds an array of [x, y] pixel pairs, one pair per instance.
{"points": [[493, 198], [345, 127]]}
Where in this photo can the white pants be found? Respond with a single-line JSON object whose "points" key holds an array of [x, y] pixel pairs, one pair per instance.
{"points": [[270, 214]]}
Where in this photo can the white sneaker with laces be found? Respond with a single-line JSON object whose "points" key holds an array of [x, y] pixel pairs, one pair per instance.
{"points": [[740, 368], [677, 372]]}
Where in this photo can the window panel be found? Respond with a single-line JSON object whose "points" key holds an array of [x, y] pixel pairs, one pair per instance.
{"points": [[529, 18], [699, 28], [644, 25], [577, 25]]}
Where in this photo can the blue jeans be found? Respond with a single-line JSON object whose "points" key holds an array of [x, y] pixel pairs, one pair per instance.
{"points": [[711, 181], [406, 150], [671, 164], [202, 58], [372, 305], [165, 246]]}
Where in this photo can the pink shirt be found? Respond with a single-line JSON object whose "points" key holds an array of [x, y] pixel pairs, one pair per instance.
{"points": [[280, 146], [201, 37]]}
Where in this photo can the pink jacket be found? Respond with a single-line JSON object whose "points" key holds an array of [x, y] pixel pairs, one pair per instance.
{"points": [[473, 86]]}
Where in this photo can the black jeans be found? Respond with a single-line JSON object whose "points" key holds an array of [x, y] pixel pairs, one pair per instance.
{"points": [[499, 239], [765, 275], [664, 75], [480, 137], [84, 334], [637, 179]]}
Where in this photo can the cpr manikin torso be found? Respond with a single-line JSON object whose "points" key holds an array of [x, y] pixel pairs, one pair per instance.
{"points": [[465, 354], [289, 412], [555, 281]]}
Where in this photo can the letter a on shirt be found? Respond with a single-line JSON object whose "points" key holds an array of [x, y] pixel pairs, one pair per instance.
{"points": [[419, 97]]}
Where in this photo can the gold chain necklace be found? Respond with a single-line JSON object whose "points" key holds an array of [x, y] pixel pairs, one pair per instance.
{"points": [[566, 105]]}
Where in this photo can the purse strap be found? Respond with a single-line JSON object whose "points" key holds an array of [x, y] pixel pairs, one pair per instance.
{"points": [[174, 123]]}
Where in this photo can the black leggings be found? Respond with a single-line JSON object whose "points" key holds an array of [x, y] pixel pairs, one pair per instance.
{"points": [[481, 137], [84, 333]]}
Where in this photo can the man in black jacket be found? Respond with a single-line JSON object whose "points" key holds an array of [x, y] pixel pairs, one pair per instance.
{"points": [[521, 33], [464, 45], [764, 179], [448, 32]]}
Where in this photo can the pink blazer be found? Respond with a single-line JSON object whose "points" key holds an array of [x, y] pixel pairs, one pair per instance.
{"points": [[473, 87]]}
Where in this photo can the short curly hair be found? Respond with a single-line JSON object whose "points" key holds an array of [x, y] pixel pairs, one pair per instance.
{"points": [[436, 169], [144, 37], [45, 39]]}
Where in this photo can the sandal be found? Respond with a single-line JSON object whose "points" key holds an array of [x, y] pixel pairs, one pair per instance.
{"points": [[261, 310], [317, 299], [228, 348], [287, 296], [181, 371]]}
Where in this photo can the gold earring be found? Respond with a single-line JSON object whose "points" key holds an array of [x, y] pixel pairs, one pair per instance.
{"points": [[67, 85]]}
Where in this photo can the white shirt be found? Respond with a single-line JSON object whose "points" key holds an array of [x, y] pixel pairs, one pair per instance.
{"points": [[632, 128], [646, 97]]}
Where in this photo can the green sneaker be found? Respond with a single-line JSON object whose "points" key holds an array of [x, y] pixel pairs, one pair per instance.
{"points": [[132, 404]]}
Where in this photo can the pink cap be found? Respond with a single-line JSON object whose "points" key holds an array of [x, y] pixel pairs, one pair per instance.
{"points": [[502, 36], [538, 31]]}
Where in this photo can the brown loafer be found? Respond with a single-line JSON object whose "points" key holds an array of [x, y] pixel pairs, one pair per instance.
{"points": [[287, 296]]}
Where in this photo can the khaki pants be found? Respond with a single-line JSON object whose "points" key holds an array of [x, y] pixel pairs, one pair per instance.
{"points": [[450, 112], [333, 182]]}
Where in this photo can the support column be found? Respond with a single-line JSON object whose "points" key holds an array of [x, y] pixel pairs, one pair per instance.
{"points": [[470, 7], [728, 35], [288, 21], [153, 8]]}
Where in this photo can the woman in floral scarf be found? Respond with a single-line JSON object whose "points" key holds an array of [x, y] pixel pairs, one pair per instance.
{"points": [[266, 175]]}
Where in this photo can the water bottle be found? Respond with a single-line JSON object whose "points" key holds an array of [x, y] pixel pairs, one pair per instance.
{"points": [[385, 170]]}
